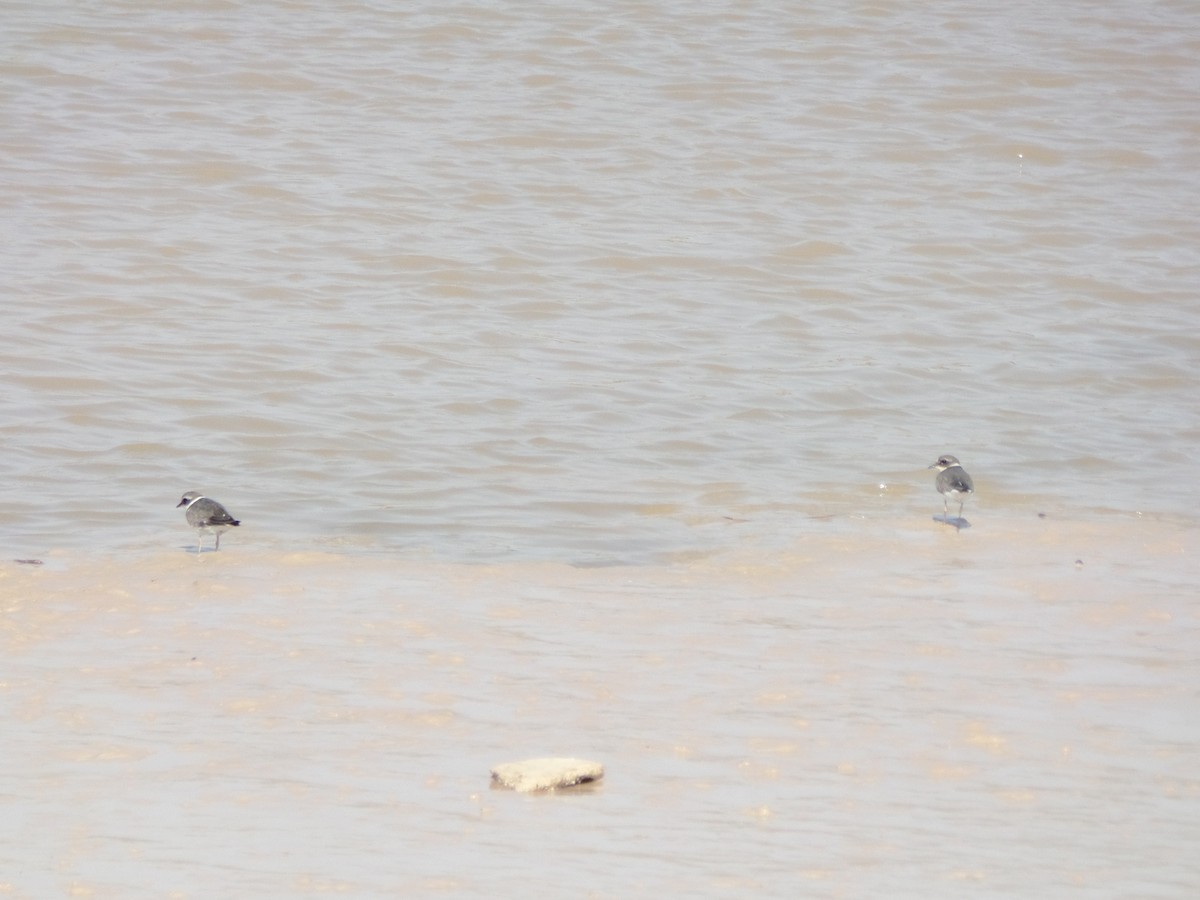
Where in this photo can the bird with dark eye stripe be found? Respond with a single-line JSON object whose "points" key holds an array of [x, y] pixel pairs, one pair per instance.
{"points": [[953, 483], [206, 515]]}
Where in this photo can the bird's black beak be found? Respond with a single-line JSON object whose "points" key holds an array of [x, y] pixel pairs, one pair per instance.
{"points": [[182, 502]]}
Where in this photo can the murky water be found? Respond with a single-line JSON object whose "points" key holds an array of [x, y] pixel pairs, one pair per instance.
{"points": [[574, 372]]}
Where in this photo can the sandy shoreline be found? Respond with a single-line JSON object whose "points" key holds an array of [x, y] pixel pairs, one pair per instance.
{"points": [[267, 722], [836, 546]]}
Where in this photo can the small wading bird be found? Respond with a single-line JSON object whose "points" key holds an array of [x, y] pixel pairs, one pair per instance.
{"points": [[206, 515], [953, 483]]}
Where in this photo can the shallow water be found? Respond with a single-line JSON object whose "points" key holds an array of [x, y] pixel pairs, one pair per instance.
{"points": [[574, 374], [499, 285]]}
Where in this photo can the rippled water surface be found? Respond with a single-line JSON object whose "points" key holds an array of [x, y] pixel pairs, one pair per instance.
{"points": [[490, 282], [657, 293]]}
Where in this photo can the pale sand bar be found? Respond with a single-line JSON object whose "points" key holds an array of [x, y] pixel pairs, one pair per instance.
{"points": [[877, 702]]}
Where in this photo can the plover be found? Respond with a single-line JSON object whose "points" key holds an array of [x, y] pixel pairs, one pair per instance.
{"points": [[953, 483], [204, 515]]}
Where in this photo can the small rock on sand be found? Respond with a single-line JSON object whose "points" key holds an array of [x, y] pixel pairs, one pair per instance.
{"points": [[546, 774]]}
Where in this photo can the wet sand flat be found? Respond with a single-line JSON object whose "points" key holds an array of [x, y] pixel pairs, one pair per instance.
{"points": [[875, 708]]}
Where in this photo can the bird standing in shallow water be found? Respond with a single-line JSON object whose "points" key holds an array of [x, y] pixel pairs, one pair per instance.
{"points": [[953, 483], [206, 515]]}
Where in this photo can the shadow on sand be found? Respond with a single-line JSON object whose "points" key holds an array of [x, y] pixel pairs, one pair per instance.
{"points": [[958, 522]]}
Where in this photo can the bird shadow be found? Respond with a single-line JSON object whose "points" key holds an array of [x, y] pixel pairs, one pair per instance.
{"points": [[958, 522]]}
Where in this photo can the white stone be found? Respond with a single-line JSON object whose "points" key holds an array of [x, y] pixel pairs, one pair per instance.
{"points": [[546, 774]]}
